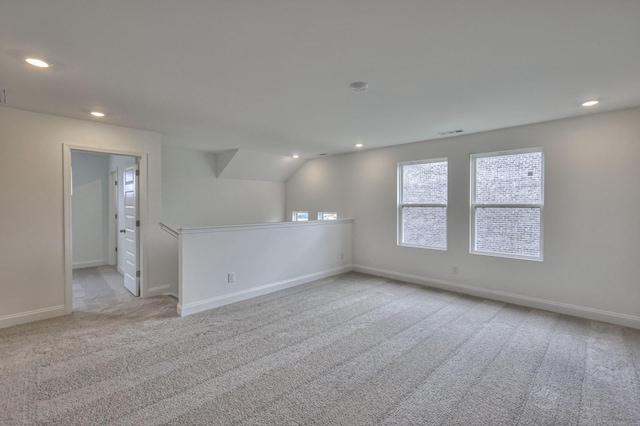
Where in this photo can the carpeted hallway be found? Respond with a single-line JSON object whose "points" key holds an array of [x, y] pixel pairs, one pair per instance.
{"points": [[99, 288], [347, 350]]}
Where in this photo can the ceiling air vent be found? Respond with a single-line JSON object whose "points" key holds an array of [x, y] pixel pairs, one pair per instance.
{"points": [[451, 132]]}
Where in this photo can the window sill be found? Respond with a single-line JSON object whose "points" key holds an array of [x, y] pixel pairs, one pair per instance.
{"points": [[506, 255], [422, 247]]}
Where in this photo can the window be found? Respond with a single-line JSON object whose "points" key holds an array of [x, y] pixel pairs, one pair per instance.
{"points": [[300, 216], [507, 197], [327, 216], [422, 203]]}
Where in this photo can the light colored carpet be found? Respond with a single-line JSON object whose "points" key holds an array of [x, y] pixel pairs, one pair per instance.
{"points": [[347, 350], [99, 288]]}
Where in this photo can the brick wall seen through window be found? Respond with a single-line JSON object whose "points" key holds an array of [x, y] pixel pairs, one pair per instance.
{"points": [[423, 190], [506, 205]]}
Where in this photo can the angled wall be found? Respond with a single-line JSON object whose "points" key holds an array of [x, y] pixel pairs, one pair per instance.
{"points": [[194, 196], [251, 165]]}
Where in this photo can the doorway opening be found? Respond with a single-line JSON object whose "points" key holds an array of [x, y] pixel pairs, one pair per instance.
{"points": [[104, 240]]}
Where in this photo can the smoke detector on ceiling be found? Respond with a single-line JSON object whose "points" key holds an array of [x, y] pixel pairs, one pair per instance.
{"points": [[451, 132], [359, 86]]}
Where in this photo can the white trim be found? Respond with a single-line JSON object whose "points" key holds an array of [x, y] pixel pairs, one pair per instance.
{"points": [[30, 316], [268, 225], [516, 299], [158, 290], [422, 247], [113, 214], [90, 263], [214, 302], [143, 186], [169, 230]]}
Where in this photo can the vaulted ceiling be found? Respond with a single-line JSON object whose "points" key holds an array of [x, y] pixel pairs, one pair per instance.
{"points": [[274, 76]]}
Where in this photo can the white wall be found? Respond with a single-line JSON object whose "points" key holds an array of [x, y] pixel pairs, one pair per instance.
{"points": [[264, 258], [193, 196], [31, 213], [591, 219], [90, 207], [321, 185]]}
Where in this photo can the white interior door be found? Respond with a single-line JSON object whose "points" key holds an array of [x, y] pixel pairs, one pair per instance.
{"points": [[131, 274]]}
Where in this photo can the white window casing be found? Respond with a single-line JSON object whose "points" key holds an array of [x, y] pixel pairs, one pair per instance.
{"points": [[507, 203], [422, 203], [299, 216], [327, 216]]}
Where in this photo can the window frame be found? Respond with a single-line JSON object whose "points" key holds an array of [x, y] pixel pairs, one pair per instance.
{"points": [[473, 206], [401, 204], [295, 213], [321, 215]]}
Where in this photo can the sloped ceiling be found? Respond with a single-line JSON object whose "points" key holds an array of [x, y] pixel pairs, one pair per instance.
{"points": [[251, 165]]}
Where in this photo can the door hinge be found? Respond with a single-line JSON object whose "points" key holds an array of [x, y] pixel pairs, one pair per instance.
{"points": [[116, 215], [137, 172], [137, 223], [137, 274], [116, 183], [116, 249]]}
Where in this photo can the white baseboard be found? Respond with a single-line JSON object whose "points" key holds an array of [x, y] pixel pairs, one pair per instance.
{"points": [[516, 299], [158, 291], [90, 263], [214, 302], [30, 316]]}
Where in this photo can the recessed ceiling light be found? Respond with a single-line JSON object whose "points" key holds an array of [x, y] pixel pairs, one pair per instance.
{"points": [[37, 63], [590, 103], [359, 145], [296, 156], [97, 114], [359, 86]]}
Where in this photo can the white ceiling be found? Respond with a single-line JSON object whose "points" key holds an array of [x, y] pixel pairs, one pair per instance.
{"points": [[273, 76]]}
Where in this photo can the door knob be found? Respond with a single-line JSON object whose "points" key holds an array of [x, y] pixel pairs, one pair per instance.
{"points": [[122, 231]]}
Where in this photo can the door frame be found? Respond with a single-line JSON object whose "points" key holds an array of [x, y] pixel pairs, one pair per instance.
{"points": [[113, 218], [143, 213]]}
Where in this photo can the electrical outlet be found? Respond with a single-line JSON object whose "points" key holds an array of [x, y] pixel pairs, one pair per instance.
{"points": [[231, 277], [454, 270]]}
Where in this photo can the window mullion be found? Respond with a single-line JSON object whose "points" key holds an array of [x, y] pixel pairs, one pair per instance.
{"points": [[515, 206], [423, 205]]}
